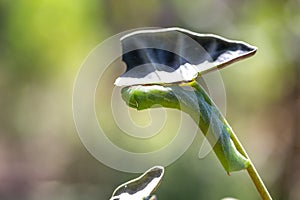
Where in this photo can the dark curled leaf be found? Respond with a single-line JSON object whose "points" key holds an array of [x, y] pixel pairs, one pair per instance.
{"points": [[140, 188], [176, 55]]}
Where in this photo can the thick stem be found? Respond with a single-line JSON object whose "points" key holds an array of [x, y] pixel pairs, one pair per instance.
{"points": [[255, 177]]}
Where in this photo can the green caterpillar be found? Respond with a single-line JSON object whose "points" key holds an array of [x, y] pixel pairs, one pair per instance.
{"points": [[207, 116]]}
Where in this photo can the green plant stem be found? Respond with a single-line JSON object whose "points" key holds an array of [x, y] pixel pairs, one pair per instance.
{"points": [[254, 175], [209, 119]]}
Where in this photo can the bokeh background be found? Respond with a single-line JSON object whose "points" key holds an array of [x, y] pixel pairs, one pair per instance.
{"points": [[42, 45]]}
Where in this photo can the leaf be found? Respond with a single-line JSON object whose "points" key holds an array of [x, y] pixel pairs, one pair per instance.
{"points": [[140, 188], [176, 55]]}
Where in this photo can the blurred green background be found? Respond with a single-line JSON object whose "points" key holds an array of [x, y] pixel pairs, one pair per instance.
{"points": [[42, 45]]}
